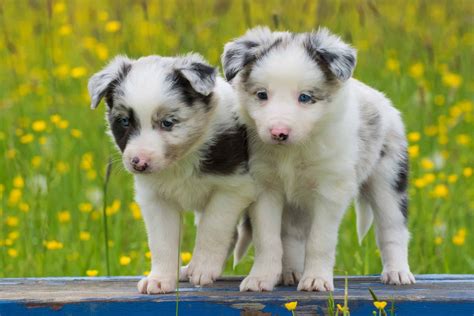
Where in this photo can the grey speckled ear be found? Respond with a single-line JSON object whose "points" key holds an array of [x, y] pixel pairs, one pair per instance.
{"points": [[200, 76], [330, 51], [108, 78], [243, 50]]}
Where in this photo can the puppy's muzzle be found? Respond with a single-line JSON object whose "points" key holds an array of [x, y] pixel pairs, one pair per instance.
{"points": [[280, 134], [140, 164]]}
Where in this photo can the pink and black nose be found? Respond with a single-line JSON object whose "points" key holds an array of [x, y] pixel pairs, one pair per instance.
{"points": [[280, 134], [140, 163]]}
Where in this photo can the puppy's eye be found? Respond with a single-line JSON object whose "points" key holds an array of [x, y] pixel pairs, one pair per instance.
{"points": [[124, 121], [262, 95], [304, 98], [167, 124]]}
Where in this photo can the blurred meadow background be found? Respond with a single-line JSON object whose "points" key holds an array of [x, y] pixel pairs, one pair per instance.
{"points": [[54, 150]]}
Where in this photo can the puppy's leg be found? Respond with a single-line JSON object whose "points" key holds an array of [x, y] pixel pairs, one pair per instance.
{"points": [[214, 236], [388, 197], [162, 224], [293, 237], [265, 216]]}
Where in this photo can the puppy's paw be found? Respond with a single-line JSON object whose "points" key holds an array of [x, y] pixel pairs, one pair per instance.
{"points": [[183, 274], [289, 278], [156, 285], [203, 272], [256, 283], [398, 277], [316, 283]]}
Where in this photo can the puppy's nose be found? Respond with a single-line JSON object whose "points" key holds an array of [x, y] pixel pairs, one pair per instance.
{"points": [[139, 163], [280, 133]]}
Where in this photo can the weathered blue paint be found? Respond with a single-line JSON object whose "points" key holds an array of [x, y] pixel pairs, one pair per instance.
{"points": [[432, 295]]}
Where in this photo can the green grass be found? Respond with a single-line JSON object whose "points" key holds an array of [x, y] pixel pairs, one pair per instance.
{"points": [[418, 52]]}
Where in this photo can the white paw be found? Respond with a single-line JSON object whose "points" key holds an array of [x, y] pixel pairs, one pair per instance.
{"points": [[183, 274], [316, 283], [398, 277], [156, 285], [290, 278], [203, 272], [259, 283]]}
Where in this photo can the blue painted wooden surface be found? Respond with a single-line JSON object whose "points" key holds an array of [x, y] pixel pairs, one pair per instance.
{"points": [[432, 295]]}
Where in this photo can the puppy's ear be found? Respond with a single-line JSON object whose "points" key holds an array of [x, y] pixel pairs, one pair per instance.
{"points": [[244, 50], [200, 76], [330, 52], [103, 82]]}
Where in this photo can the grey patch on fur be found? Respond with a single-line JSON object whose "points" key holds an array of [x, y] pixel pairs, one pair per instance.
{"points": [[404, 205], [123, 134], [401, 182]]}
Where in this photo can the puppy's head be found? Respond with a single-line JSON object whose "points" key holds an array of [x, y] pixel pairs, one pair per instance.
{"points": [[158, 108], [287, 82]]}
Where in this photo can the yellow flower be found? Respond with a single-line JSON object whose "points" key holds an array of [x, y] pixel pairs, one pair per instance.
{"points": [[85, 207], [114, 208], [78, 72], [87, 161], [452, 178], [459, 240], [39, 126], [18, 182], [64, 216], [146, 273], [62, 167], [440, 191], [462, 232], [14, 197], [12, 221], [439, 100], [12, 252], [148, 254], [76, 133], [380, 304], [429, 178], [125, 260], [291, 306], [393, 65], [92, 273], [65, 30], [112, 26], [103, 16], [102, 51], [91, 174], [414, 136], [438, 240], [24, 207], [63, 124], [420, 183], [59, 7], [343, 309], [431, 130], [36, 161], [85, 236], [186, 257], [27, 138], [53, 244], [416, 70], [463, 139], [11, 153], [413, 151], [135, 209], [452, 80], [14, 235], [467, 172], [55, 118], [427, 164]]}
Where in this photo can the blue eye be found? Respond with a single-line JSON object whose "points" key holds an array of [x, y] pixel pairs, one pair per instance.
{"points": [[167, 124], [124, 121], [304, 98], [262, 95]]}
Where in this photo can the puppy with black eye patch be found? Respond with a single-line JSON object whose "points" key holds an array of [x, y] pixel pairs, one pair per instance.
{"points": [[318, 139], [174, 121]]}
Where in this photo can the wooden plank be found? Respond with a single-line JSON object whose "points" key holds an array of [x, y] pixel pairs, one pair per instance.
{"points": [[432, 295]]}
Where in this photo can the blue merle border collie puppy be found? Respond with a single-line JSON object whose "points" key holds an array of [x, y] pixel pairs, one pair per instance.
{"points": [[318, 140], [174, 121]]}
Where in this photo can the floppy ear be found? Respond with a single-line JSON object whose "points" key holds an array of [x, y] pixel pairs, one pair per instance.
{"points": [[105, 80], [243, 50], [329, 51], [200, 76]]}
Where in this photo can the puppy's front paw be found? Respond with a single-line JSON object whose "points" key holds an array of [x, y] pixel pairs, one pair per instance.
{"points": [[289, 278], [203, 272], [398, 277], [256, 283], [316, 283], [156, 285]]}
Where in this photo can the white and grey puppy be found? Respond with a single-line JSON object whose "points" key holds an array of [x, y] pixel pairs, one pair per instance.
{"points": [[318, 140], [174, 121]]}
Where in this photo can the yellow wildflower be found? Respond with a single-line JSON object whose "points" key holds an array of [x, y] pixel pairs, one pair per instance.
{"points": [[463, 139], [12, 221], [416, 70], [92, 273], [76, 133], [343, 309], [467, 172], [87, 161], [414, 136], [148, 254], [65, 30], [36, 161], [125, 260], [14, 235], [380, 304], [112, 26], [440, 191], [12, 252], [438, 240], [102, 51], [78, 72], [431, 130], [14, 197], [427, 164], [452, 80], [11, 153], [114, 208], [53, 245], [64, 216], [459, 240], [85, 207], [452, 178], [135, 209], [85, 236], [291, 306], [103, 16], [420, 183], [8, 242], [27, 138], [462, 232], [38, 126], [24, 207], [393, 65], [55, 118], [59, 7], [429, 178], [62, 167], [413, 151], [439, 100], [146, 273], [186, 257], [18, 182], [63, 124]]}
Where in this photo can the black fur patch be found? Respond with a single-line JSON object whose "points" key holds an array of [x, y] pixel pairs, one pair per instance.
{"points": [[404, 205], [123, 134], [402, 177], [227, 153], [112, 86], [188, 94]]}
